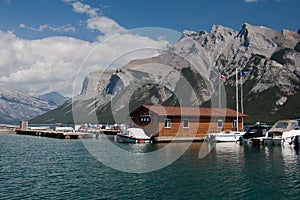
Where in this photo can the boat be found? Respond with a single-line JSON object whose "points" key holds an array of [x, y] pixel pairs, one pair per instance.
{"points": [[134, 135], [65, 129], [282, 132], [225, 136], [110, 131], [39, 128], [256, 131], [230, 136]]}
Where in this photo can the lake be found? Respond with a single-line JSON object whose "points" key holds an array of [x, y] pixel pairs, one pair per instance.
{"points": [[46, 168]]}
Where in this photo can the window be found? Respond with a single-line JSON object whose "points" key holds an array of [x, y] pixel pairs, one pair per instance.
{"points": [[185, 123], [282, 125], [220, 123], [167, 123], [234, 123], [145, 118]]}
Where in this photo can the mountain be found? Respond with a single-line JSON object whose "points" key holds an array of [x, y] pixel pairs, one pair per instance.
{"points": [[188, 73], [16, 106], [54, 98]]}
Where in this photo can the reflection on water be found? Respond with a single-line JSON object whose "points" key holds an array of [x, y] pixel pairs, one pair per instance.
{"points": [[39, 168], [228, 147]]}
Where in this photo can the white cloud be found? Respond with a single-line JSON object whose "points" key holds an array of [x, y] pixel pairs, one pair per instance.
{"points": [[105, 25], [51, 64], [64, 28], [84, 8]]}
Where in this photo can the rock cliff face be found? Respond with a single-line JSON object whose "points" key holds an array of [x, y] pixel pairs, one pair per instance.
{"points": [[188, 73]]}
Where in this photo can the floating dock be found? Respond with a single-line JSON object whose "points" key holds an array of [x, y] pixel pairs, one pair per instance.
{"points": [[50, 133]]}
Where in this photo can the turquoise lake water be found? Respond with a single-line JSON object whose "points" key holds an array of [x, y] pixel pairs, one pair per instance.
{"points": [[46, 168]]}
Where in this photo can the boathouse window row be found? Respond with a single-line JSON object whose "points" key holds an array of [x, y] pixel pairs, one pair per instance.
{"points": [[167, 123], [220, 123], [145, 118], [185, 123]]}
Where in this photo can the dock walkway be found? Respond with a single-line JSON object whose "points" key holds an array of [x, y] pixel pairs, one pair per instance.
{"points": [[51, 134]]}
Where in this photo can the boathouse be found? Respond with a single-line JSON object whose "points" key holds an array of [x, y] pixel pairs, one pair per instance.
{"points": [[168, 121]]}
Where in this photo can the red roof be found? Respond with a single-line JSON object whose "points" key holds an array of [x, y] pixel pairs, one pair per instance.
{"points": [[191, 111]]}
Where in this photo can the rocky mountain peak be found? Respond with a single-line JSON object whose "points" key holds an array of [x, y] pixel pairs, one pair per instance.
{"points": [[217, 28], [192, 34], [54, 98]]}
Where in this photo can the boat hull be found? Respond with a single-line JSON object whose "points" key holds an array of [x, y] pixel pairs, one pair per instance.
{"points": [[272, 141], [110, 132], [224, 137], [128, 139]]}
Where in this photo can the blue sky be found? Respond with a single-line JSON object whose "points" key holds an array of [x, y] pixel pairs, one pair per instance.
{"points": [[44, 43], [173, 14]]}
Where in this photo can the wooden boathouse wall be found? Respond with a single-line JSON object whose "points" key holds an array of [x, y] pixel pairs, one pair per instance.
{"points": [[198, 126]]}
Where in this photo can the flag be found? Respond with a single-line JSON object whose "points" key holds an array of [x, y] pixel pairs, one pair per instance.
{"points": [[243, 73], [224, 77]]}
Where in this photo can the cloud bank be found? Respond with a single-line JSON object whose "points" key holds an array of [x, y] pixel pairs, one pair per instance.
{"points": [[51, 64]]}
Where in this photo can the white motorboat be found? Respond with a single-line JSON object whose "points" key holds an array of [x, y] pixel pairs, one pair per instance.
{"points": [[134, 135], [283, 132], [64, 129], [225, 136]]}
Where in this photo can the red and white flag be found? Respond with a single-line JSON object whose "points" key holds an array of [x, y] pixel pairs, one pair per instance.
{"points": [[224, 77]]}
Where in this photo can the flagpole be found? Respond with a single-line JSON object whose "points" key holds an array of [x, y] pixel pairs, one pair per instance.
{"points": [[242, 104], [219, 91], [237, 99]]}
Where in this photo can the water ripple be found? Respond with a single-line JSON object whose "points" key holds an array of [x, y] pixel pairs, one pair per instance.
{"points": [[44, 168]]}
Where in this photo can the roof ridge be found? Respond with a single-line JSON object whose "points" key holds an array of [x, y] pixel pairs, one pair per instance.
{"points": [[191, 110]]}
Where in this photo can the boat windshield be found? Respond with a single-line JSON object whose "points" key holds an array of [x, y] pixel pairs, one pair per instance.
{"points": [[253, 130], [282, 125]]}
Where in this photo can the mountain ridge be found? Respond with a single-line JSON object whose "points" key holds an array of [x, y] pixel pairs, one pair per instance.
{"points": [[54, 98], [271, 59], [16, 106]]}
